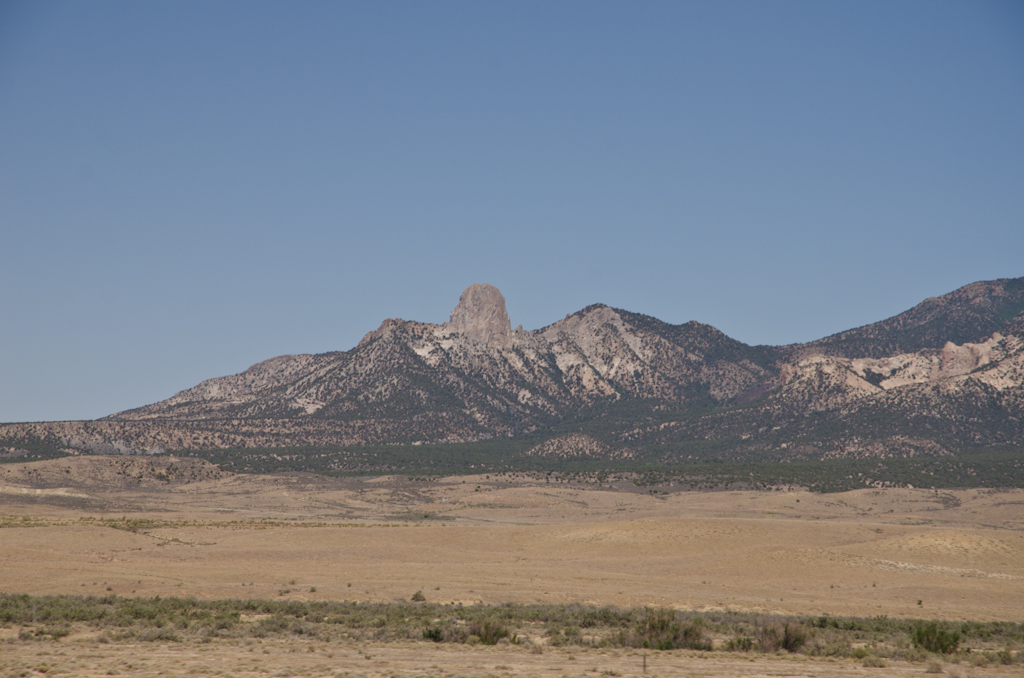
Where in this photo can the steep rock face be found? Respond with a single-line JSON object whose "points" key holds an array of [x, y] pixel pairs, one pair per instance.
{"points": [[822, 383], [481, 316], [995, 356]]}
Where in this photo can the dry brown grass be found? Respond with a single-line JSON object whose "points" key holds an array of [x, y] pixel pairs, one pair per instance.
{"points": [[88, 659], [860, 553], [497, 539]]}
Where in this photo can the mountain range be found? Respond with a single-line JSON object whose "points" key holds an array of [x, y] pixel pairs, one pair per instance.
{"points": [[944, 377]]}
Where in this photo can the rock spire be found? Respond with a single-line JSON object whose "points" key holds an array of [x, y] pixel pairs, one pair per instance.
{"points": [[481, 315]]}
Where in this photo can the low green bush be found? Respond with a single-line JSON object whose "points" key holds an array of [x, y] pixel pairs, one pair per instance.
{"points": [[773, 637], [663, 630], [739, 644], [115, 619], [933, 638], [489, 632]]}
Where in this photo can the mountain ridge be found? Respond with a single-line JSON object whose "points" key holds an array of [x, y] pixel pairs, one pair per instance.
{"points": [[869, 389], [967, 314]]}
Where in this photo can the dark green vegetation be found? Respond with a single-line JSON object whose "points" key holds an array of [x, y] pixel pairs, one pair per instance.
{"points": [[683, 466], [116, 619], [28, 447], [1003, 468], [935, 639]]}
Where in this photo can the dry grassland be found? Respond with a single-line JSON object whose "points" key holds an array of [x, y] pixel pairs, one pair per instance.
{"points": [[493, 539], [422, 660]]}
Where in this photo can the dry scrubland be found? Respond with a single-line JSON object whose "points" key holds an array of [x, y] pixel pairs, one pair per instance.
{"points": [[133, 526], [305, 658]]}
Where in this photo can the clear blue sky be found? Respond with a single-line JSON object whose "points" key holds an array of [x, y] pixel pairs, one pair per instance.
{"points": [[187, 188]]}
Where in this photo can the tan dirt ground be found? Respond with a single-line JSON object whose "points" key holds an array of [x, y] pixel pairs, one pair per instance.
{"points": [[498, 539], [237, 659]]}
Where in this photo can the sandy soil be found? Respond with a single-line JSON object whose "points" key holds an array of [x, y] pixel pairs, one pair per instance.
{"points": [[916, 553], [497, 539], [87, 659]]}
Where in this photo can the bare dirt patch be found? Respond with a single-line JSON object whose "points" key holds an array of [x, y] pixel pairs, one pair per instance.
{"points": [[87, 658], [93, 526], [495, 539]]}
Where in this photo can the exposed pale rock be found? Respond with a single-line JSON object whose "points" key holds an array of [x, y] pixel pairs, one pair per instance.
{"points": [[997, 352], [576, 445], [388, 324], [481, 315]]}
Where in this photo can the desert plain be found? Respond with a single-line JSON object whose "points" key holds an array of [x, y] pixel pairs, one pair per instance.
{"points": [[148, 526]]}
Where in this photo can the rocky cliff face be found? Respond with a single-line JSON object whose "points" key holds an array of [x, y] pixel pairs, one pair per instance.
{"points": [[822, 382], [481, 316], [474, 378]]}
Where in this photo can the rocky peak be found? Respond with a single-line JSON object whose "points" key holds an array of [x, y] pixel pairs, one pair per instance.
{"points": [[481, 315], [387, 325]]}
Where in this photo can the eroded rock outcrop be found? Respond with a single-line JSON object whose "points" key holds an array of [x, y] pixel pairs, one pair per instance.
{"points": [[481, 316]]}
